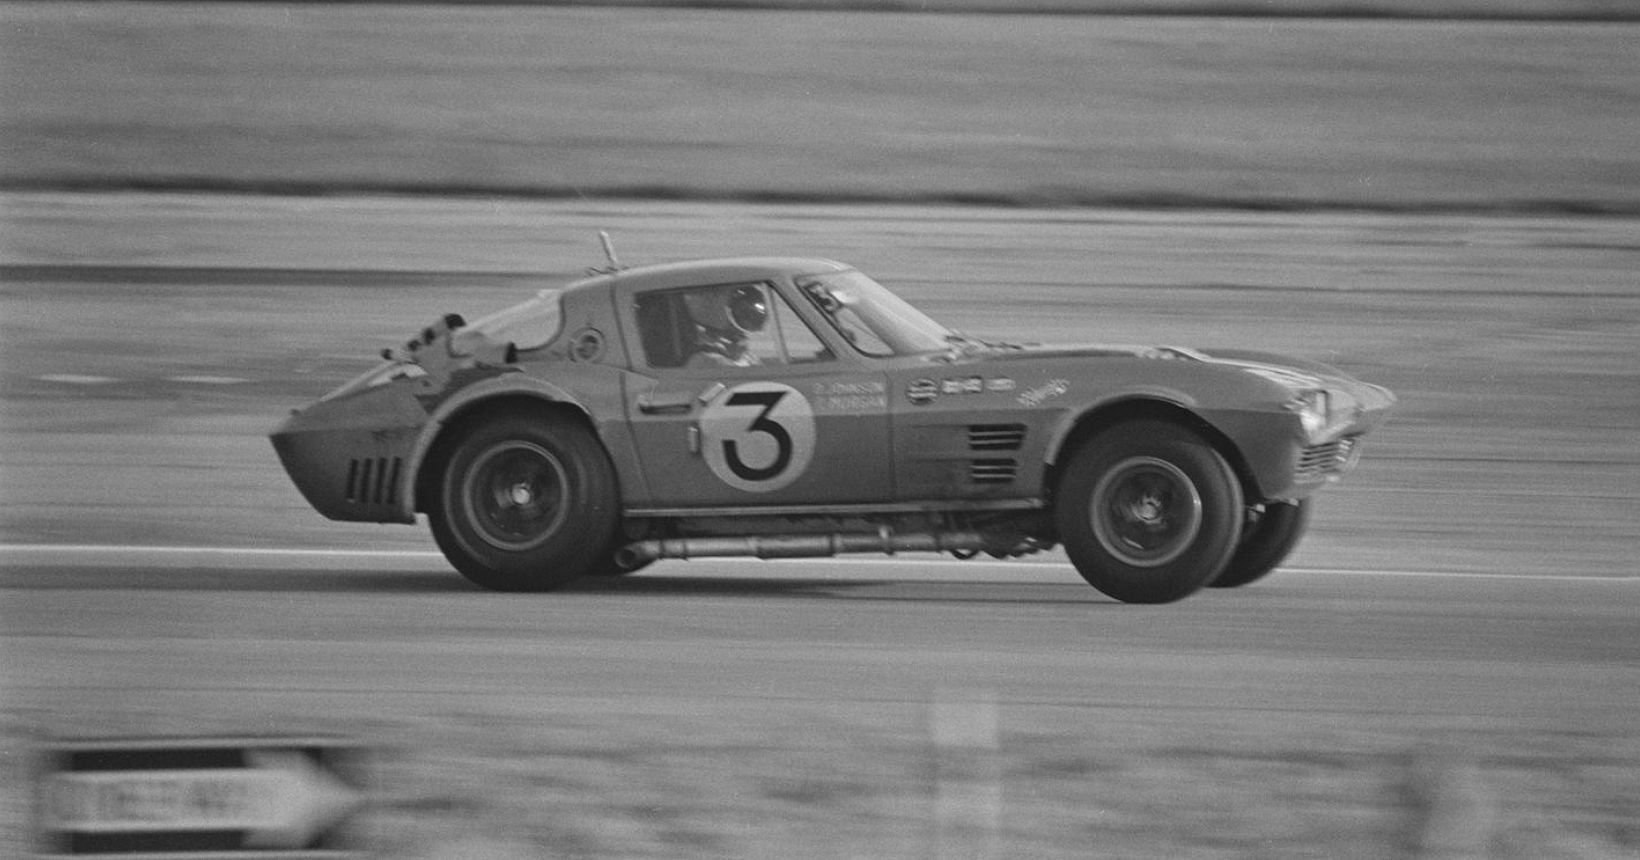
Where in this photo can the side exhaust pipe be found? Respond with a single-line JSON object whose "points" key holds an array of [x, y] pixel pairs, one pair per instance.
{"points": [[798, 546]]}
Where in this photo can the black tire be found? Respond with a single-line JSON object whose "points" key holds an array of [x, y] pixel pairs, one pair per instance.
{"points": [[1149, 512], [526, 502], [1266, 543]]}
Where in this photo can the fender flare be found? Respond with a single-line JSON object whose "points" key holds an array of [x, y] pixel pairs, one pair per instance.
{"points": [[1062, 432], [463, 402], [1173, 404]]}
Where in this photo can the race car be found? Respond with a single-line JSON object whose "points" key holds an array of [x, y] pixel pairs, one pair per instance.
{"points": [[792, 407]]}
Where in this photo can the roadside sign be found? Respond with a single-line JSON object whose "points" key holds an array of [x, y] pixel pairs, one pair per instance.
{"points": [[199, 797]]}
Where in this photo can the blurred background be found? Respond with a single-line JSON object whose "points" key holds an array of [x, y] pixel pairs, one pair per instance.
{"points": [[212, 212], [1529, 110]]}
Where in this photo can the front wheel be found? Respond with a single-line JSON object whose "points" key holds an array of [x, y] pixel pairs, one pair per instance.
{"points": [[1267, 542], [1149, 512], [527, 502]]}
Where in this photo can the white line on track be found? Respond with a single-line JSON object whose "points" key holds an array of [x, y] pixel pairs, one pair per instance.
{"points": [[208, 380], [107, 552], [114, 549], [87, 379], [76, 379]]}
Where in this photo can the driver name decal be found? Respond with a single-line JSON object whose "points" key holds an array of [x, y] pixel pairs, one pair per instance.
{"points": [[1043, 393], [870, 395], [758, 436]]}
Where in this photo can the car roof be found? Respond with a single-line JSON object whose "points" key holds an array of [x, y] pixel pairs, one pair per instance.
{"points": [[720, 270]]}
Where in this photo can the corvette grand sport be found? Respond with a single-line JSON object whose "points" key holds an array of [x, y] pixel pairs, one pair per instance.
{"points": [[777, 408]]}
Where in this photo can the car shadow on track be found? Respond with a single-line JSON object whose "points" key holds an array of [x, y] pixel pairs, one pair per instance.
{"points": [[834, 588], [402, 582], [717, 586], [670, 586]]}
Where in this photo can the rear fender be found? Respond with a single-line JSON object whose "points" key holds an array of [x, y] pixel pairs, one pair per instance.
{"points": [[480, 395]]}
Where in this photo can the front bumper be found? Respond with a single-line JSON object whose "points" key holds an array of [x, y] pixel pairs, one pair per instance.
{"points": [[1282, 461]]}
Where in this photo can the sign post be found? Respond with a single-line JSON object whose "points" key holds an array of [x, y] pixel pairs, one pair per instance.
{"points": [[192, 798]]}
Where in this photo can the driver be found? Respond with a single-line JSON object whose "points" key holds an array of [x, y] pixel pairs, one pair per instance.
{"points": [[723, 317]]}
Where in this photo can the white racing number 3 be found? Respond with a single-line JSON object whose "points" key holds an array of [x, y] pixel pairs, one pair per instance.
{"points": [[758, 436]]}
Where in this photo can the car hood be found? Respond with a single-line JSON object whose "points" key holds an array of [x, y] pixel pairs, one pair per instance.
{"points": [[1291, 371], [1248, 358]]}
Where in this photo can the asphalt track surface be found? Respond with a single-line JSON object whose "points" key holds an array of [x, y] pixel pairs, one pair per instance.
{"points": [[170, 627], [1359, 670], [159, 577]]}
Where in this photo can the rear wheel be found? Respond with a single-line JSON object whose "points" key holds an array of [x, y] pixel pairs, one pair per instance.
{"points": [[1266, 543], [1148, 512], [527, 502]]}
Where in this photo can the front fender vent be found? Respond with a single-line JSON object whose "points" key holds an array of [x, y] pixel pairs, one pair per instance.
{"points": [[993, 471], [373, 480], [996, 437]]}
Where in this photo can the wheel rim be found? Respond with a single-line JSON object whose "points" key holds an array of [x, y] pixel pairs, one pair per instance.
{"points": [[516, 495], [1146, 512]]}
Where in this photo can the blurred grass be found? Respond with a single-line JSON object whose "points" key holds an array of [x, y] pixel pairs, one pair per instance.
{"points": [[863, 784], [637, 779], [1012, 109]]}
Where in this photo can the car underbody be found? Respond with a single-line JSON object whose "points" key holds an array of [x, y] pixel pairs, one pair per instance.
{"points": [[1004, 532]]}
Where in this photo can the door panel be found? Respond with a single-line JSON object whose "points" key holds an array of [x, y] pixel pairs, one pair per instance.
{"points": [[773, 416], [745, 436]]}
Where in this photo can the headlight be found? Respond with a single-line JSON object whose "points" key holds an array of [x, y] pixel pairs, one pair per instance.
{"points": [[1313, 407], [1323, 413]]}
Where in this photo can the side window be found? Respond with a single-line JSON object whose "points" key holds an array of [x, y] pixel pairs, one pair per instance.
{"points": [[803, 346], [724, 325], [664, 328]]}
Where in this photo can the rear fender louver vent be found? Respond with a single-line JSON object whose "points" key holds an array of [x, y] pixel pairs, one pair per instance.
{"points": [[373, 480], [996, 437]]}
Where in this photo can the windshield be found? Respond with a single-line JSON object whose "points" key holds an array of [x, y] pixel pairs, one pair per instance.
{"points": [[874, 320]]}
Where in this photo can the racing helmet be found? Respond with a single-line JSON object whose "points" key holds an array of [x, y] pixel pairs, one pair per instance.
{"points": [[734, 310], [748, 308]]}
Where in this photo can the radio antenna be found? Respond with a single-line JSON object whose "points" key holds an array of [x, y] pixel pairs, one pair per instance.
{"points": [[609, 249], [609, 253]]}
